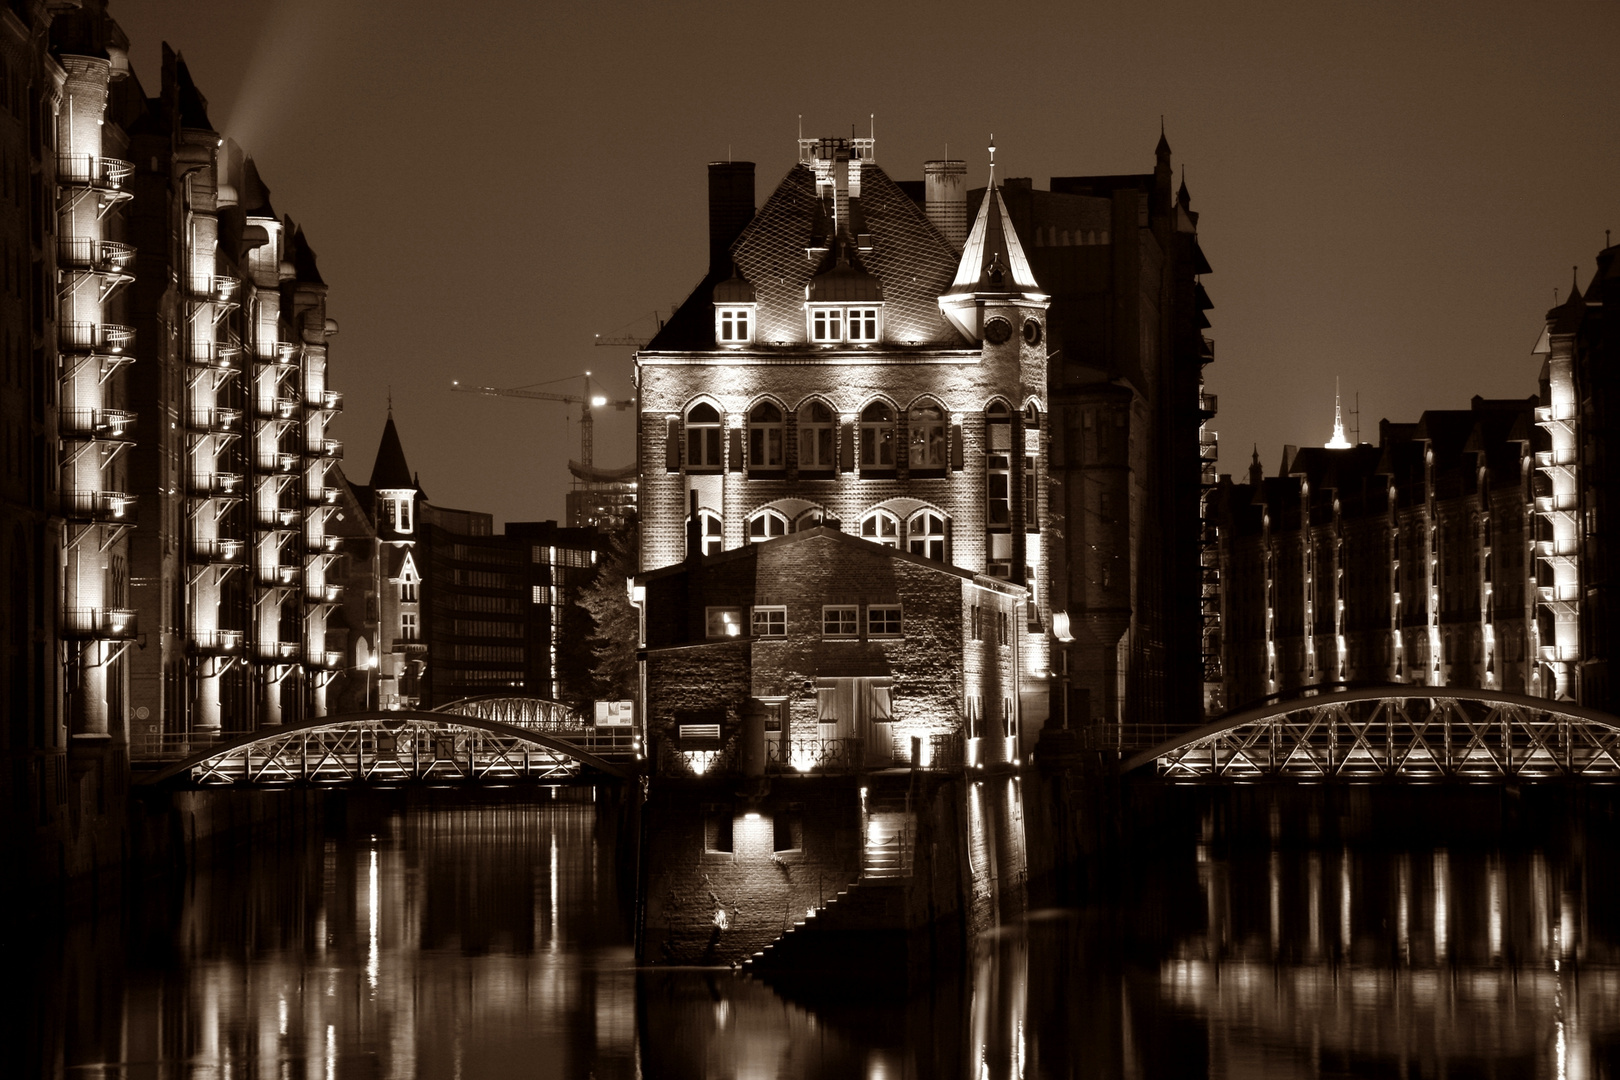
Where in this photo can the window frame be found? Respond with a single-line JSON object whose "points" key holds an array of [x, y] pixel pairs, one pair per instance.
{"points": [[942, 538], [774, 627], [869, 320], [703, 435], [920, 437], [759, 438], [853, 622], [711, 536], [726, 318], [876, 435], [894, 539], [716, 615], [885, 610], [822, 435], [410, 626], [768, 514], [826, 324]]}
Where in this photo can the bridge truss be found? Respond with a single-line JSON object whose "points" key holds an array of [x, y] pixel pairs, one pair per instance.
{"points": [[455, 744], [1414, 734]]}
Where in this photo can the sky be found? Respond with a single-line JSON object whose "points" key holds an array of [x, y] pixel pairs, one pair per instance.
{"points": [[1390, 193]]}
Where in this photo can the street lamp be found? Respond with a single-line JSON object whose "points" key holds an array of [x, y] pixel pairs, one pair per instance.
{"points": [[371, 666]]}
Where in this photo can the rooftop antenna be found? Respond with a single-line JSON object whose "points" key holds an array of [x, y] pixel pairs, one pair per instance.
{"points": [[1356, 412], [992, 159], [1338, 442], [871, 120]]}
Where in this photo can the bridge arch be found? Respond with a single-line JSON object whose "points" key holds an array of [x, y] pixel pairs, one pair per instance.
{"points": [[1412, 733], [403, 745]]}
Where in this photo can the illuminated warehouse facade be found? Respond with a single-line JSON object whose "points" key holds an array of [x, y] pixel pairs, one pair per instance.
{"points": [[1006, 380], [844, 363]]}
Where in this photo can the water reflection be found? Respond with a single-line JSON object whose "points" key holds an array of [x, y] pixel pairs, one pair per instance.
{"points": [[466, 940]]}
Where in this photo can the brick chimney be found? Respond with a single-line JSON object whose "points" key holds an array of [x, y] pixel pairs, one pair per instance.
{"points": [[731, 208]]}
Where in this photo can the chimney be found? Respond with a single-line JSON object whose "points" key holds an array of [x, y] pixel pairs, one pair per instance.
{"points": [[945, 198], [731, 208]]}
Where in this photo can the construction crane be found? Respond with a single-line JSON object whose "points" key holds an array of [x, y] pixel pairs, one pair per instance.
{"points": [[587, 403], [620, 338]]}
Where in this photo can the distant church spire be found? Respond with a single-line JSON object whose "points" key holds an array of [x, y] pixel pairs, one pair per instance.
{"points": [[1338, 442]]}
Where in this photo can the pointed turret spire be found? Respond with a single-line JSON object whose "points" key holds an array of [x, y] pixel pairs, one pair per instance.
{"points": [[391, 472], [1257, 471], [1338, 442], [1162, 151], [993, 263]]}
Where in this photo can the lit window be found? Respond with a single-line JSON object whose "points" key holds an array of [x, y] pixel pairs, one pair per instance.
{"points": [[542, 594], [827, 325], [863, 324], [409, 626], [709, 532], [703, 437], [925, 535], [765, 437], [735, 326], [877, 436], [770, 622], [765, 525], [883, 620], [840, 621], [927, 439], [881, 527], [723, 622], [818, 448]]}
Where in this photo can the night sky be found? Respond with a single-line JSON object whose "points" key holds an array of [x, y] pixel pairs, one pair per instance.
{"points": [[1390, 192]]}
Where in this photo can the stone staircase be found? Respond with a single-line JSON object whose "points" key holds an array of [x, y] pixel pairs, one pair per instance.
{"points": [[864, 922], [886, 854]]}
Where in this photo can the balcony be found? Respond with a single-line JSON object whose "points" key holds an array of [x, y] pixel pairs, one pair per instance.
{"points": [[324, 594], [216, 485], [275, 517], [324, 660], [326, 448], [99, 425], [1208, 405], [1553, 414], [217, 552], [1555, 459], [217, 642], [1558, 654], [280, 464], [280, 576], [277, 652], [99, 624], [84, 337], [217, 288], [1551, 504], [325, 401], [89, 170], [281, 408], [95, 256], [99, 507], [214, 354], [321, 496], [1208, 446], [287, 354], [1552, 549], [215, 421], [1206, 350], [323, 545], [1558, 594]]}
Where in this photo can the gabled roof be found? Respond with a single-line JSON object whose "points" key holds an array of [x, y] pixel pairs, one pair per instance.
{"points": [[390, 472]]}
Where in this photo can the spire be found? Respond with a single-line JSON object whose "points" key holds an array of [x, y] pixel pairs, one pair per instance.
{"points": [[390, 472], [1338, 442], [1162, 151], [1257, 471], [993, 262]]}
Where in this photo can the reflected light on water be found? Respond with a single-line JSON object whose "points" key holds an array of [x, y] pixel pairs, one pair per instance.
{"points": [[374, 919]]}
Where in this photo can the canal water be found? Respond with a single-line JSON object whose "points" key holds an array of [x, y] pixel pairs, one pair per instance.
{"points": [[446, 938]]}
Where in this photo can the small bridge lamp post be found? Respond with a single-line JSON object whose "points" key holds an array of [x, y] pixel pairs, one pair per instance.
{"points": [[371, 668]]}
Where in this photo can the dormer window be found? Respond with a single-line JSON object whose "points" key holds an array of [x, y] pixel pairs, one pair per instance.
{"points": [[734, 325], [831, 325]]}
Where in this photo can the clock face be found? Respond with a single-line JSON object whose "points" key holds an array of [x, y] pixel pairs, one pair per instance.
{"points": [[997, 331], [1032, 332]]}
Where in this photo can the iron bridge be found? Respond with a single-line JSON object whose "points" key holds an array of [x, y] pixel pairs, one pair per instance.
{"points": [[477, 740], [1396, 733]]}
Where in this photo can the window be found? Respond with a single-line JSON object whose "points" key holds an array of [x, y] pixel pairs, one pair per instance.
{"points": [[877, 436], [881, 527], [407, 591], [883, 620], [1001, 628], [409, 626], [717, 836], [735, 326], [399, 513], [765, 525], [925, 535], [542, 594], [974, 620], [840, 621], [827, 325], [818, 432], [722, 622], [770, 622], [703, 437], [998, 509], [927, 439], [787, 828], [709, 532], [765, 437], [863, 324]]}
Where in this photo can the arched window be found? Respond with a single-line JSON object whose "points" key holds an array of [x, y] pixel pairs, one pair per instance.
{"points": [[766, 525], [709, 534], [926, 437], [925, 535], [810, 519], [818, 437], [881, 527], [765, 437], [998, 465], [877, 436], [703, 437]]}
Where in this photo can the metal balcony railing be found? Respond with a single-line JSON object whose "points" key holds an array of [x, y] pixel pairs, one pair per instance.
{"points": [[1555, 459], [99, 256], [1548, 549], [99, 507], [1208, 445], [281, 463], [325, 401], [1549, 414], [218, 288], [281, 408], [324, 659], [287, 353], [1550, 594], [1208, 405], [99, 624], [216, 485], [814, 754], [82, 337], [217, 421], [215, 354], [101, 425], [1558, 654], [1548, 504], [275, 517], [326, 448], [102, 173], [323, 545], [321, 496], [280, 575], [217, 551], [1206, 349], [217, 642], [277, 652], [324, 594]]}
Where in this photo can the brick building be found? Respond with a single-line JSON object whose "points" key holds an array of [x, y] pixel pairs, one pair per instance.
{"points": [[440, 607]]}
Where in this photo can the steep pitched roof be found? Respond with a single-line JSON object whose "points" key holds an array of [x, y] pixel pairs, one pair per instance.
{"points": [[993, 258], [390, 471]]}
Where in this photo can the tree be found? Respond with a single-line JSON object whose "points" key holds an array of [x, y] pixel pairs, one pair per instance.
{"points": [[617, 623]]}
